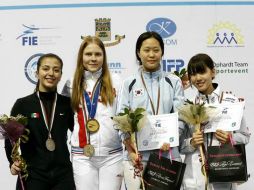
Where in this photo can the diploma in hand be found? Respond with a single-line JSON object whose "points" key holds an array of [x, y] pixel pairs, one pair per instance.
{"points": [[158, 129], [229, 118]]}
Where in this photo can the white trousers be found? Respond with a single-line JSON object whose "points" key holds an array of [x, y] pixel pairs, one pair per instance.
{"points": [[98, 173], [131, 183]]}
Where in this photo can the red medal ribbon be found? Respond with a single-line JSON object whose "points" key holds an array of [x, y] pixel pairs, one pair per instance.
{"points": [[82, 129]]}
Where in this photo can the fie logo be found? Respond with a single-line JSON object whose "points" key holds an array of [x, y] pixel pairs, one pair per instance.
{"points": [[28, 36]]}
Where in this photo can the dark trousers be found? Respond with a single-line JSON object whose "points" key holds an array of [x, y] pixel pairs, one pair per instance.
{"points": [[54, 179]]}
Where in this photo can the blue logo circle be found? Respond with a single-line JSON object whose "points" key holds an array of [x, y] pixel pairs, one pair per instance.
{"points": [[163, 26], [145, 142], [31, 67]]}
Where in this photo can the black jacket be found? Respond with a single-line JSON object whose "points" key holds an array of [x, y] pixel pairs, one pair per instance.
{"points": [[34, 151]]}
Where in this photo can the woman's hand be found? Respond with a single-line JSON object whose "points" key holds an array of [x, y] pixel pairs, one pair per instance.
{"points": [[165, 147], [15, 168], [135, 158], [132, 152], [222, 136], [197, 139]]}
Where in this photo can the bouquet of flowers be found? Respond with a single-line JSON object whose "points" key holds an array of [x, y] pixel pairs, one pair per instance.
{"points": [[14, 129], [183, 75], [132, 121], [195, 115]]}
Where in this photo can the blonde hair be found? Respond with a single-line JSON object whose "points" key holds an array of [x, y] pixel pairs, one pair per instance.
{"points": [[106, 91]]}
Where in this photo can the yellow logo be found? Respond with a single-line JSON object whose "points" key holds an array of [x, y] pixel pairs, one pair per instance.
{"points": [[225, 34], [103, 31]]}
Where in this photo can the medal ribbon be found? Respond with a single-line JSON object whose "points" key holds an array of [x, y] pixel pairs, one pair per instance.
{"points": [[84, 134], [49, 124], [151, 102], [91, 104]]}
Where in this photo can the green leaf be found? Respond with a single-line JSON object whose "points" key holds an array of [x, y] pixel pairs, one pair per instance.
{"points": [[126, 110], [139, 111], [183, 72], [134, 124], [139, 116], [132, 115], [177, 73], [188, 101]]}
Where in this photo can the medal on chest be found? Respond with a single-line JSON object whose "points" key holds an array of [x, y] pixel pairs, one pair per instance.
{"points": [[89, 150], [50, 143], [92, 125]]}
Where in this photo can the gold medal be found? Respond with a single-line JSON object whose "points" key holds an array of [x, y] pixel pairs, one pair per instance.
{"points": [[92, 125], [50, 144], [89, 150]]}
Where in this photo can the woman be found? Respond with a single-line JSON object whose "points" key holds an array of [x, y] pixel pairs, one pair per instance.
{"points": [[49, 118], [153, 89], [96, 146], [201, 73]]}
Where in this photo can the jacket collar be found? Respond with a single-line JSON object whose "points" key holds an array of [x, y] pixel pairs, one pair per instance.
{"points": [[210, 98], [89, 75], [151, 75]]}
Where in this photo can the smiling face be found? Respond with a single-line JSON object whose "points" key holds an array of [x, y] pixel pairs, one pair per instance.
{"points": [[92, 57], [49, 74], [203, 81], [150, 54]]}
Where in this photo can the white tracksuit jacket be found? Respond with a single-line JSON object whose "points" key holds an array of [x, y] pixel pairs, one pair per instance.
{"points": [[133, 95], [193, 178], [106, 140]]}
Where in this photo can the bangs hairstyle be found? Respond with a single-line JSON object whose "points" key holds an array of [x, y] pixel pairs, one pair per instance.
{"points": [[106, 91], [199, 63]]}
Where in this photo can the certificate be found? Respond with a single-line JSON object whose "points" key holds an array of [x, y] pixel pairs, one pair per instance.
{"points": [[229, 118], [158, 129]]}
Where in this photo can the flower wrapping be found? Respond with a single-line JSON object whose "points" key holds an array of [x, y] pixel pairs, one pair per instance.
{"points": [[195, 115], [132, 121], [13, 128]]}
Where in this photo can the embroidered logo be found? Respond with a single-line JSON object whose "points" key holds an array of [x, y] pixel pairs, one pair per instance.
{"points": [[138, 92]]}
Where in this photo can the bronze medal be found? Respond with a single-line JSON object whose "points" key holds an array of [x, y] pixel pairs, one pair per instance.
{"points": [[50, 144], [93, 125], [89, 150]]}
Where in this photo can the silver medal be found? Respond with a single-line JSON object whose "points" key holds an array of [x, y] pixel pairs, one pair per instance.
{"points": [[50, 144]]}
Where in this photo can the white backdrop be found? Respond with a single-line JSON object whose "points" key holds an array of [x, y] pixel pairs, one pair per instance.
{"points": [[223, 29]]}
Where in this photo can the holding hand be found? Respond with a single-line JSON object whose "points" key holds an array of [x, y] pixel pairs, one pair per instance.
{"points": [[135, 158], [165, 147], [197, 139], [137, 163], [15, 168], [222, 136]]}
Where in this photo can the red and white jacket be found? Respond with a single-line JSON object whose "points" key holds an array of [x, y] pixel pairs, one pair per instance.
{"points": [[106, 140]]}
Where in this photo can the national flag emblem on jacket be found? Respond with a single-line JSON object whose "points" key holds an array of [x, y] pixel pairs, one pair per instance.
{"points": [[138, 92], [35, 115]]}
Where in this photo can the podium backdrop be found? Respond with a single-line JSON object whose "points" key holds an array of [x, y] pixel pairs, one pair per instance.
{"points": [[222, 29]]}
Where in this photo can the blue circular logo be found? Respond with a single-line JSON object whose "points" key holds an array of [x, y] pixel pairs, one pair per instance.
{"points": [[163, 26], [145, 142], [31, 67]]}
